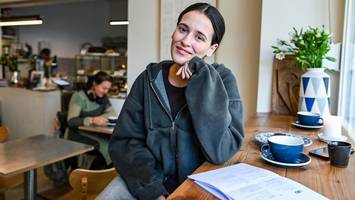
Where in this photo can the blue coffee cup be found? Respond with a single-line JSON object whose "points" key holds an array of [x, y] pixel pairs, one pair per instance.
{"points": [[286, 149], [309, 118]]}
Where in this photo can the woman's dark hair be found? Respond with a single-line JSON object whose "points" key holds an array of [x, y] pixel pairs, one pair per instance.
{"points": [[213, 14], [97, 79]]}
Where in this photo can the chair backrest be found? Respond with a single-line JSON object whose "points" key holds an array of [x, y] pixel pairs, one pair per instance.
{"points": [[91, 181], [65, 100], [4, 133], [63, 114], [63, 122]]}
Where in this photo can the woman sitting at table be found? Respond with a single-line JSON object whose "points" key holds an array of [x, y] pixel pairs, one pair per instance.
{"points": [[178, 114], [92, 107]]}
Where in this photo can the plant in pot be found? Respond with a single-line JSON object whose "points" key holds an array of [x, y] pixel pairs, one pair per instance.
{"points": [[11, 61], [310, 48]]}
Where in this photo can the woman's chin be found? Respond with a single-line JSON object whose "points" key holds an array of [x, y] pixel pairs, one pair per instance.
{"points": [[181, 61]]}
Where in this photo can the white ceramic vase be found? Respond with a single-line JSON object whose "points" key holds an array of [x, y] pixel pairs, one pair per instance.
{"points": [[315, 91]]}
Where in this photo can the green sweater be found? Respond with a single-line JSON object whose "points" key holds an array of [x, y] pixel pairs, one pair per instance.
{"points": [[81, 108]]}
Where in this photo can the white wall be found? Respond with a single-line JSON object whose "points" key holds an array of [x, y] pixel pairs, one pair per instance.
{"points": [[240, 47], [278, 18], [67, 26], [143, 36]]}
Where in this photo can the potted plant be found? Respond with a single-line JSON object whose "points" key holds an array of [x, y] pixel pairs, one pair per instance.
{"points": [[11, 61], [310, 48]]}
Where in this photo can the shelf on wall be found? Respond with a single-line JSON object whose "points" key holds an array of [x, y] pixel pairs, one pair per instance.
{"points": [[9, 37]]}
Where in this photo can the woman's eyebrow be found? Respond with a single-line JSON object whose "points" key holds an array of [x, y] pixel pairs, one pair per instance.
{"points": [[202, 34], [182, 24], [186, 26]]}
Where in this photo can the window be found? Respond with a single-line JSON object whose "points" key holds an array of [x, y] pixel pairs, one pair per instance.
{"points": [[347, 83]]}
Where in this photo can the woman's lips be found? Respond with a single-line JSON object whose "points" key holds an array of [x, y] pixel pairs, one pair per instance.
{"points": [[182, 51]]}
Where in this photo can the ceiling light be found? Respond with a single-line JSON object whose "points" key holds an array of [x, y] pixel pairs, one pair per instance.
{"points": [[20, 20], [117, 23]]}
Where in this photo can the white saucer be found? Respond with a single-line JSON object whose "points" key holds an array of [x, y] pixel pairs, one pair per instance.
{"points": [[297, 123], [111, 124], [302, 161], [326, 139]]}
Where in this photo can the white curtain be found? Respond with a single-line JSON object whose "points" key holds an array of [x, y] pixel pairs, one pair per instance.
{"points": [[347, 83]]}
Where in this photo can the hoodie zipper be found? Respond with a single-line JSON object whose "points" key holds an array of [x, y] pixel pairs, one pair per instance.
{"points": [[173, 126], [161, 103]]}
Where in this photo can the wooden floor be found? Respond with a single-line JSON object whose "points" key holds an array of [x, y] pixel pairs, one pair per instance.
{"points": [[45, 188]]}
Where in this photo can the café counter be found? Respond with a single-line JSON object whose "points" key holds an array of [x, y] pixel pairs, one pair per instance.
{"points": [[26, 112], [32, 112]]}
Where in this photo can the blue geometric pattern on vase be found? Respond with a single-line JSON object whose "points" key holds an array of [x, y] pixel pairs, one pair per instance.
{"points": [[322, 90], [329, 102], [309, 103], [321, 103], [326, 83], [315, 84], [314, 91], [305, 81]]}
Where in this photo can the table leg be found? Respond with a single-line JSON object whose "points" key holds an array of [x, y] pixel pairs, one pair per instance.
{"points": [[31, 184]]}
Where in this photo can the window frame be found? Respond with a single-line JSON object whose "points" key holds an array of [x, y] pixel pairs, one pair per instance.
{"points": [[348, 49]]}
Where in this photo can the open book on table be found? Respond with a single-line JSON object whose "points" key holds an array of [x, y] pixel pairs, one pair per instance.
{"points": [[243, 181]]}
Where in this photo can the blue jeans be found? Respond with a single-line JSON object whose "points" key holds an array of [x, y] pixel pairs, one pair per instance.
{"points": [[116, 190]]}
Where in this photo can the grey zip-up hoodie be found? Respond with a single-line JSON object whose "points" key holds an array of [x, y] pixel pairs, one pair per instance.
{"points": [[148, 145]]}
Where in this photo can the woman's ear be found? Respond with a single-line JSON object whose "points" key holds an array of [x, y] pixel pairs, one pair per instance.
{"points": [[211, 50]]}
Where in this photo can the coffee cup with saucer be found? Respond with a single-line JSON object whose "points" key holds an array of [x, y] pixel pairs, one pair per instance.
{"points": [[284, 150], [309, 118]]}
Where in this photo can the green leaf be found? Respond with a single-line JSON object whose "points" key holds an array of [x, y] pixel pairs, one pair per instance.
{"points": [[330, 58]]}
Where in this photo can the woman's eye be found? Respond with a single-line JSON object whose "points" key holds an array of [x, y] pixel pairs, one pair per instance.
{"points": [[201, 38], [182, 29]]}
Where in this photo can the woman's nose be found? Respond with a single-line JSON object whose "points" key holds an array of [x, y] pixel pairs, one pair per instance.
{"points": [[186, 41]]}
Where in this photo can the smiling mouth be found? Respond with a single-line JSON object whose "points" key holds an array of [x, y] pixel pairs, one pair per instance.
{"points": [[182, 50]]}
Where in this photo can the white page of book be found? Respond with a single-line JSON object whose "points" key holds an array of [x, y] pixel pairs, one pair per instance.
{"points": [[243, 181]]}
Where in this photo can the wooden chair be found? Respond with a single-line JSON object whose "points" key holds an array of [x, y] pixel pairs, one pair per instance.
{"points": [[7, 182], [87, 184]]}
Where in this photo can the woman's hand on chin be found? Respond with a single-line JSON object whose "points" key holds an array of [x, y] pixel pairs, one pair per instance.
{"points": [[184, 71]]}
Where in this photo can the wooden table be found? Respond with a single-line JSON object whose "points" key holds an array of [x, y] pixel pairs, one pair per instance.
{"points": [[97, 129], [28, 154], [319, 175]]}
